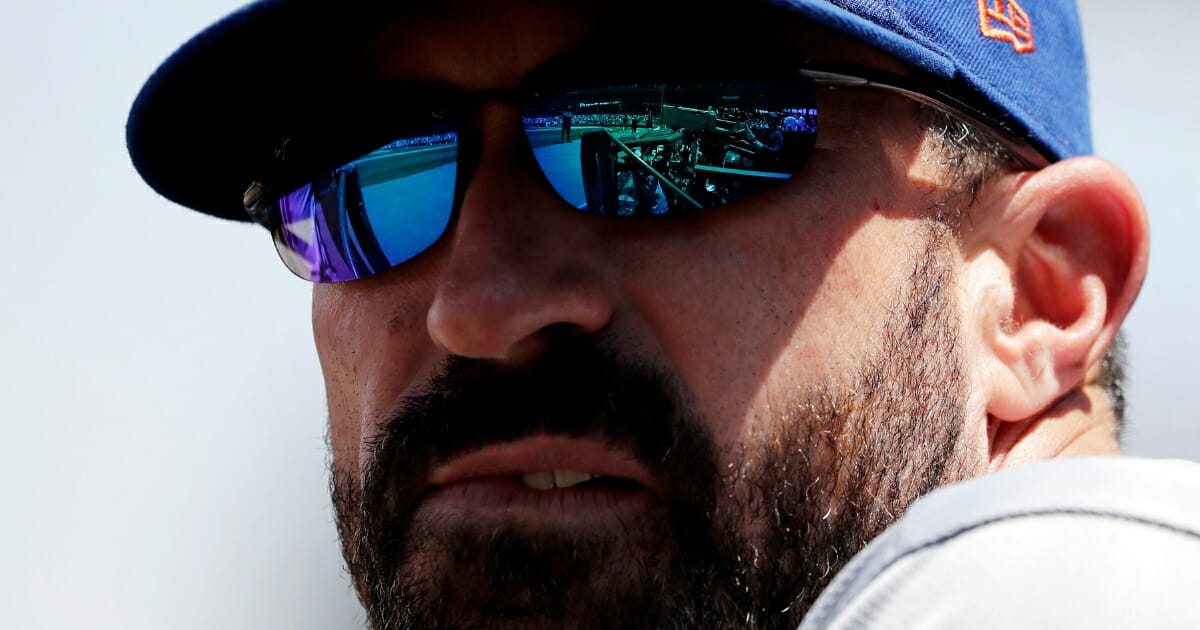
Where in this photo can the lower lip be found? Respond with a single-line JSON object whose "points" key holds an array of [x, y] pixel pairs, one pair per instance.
{"points": [[506, 496]]}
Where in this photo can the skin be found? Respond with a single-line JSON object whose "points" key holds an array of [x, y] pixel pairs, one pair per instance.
{"points": [[492, 287], [745, 304]]}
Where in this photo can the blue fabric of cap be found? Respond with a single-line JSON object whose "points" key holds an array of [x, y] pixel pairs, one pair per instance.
{"points": [[1044, 89], [201, 123]]}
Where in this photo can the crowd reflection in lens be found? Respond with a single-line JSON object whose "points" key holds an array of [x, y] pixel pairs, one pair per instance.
{"points": [[658, 150]]}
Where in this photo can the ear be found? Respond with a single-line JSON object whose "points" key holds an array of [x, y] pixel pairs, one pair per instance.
{"points": [[1055, 266]]}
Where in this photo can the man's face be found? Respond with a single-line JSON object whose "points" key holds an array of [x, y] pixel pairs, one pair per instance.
{"points": [[551, 419]]}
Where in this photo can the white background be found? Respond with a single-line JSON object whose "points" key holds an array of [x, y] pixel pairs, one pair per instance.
{"points": [[163, 457]]}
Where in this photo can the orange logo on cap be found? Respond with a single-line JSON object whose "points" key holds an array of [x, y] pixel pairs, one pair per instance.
{"points": [[1006, 21]]}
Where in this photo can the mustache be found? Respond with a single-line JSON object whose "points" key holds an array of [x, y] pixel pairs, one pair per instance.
{"points": [[575, 389]]}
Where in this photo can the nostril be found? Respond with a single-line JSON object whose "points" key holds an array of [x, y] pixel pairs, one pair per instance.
{"points": [[514, 328], [559, 331], [551, 335]]}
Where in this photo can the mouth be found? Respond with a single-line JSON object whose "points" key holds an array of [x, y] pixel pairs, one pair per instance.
{"points": [[543, 478]]}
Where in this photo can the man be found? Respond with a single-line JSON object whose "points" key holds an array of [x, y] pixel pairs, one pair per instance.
{"points": [[541, 417], [565, 136]]}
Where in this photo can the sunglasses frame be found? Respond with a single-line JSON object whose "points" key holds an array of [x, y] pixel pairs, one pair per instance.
{"points": [[260, 199]]}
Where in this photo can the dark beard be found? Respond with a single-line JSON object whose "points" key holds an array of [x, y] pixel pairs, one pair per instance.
{"points": [[751, 548]]}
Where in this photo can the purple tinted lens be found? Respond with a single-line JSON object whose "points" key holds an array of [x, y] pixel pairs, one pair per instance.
{"points": [[371, 214]]}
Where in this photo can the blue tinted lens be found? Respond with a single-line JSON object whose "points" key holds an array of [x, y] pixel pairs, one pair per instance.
{"points": [[670, 149], [373, 213], [620, 151]]}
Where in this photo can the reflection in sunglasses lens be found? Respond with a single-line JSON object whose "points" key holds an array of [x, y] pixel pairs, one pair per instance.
{"points": [[659, 150], [634, 151]]}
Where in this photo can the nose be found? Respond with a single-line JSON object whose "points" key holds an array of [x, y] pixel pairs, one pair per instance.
{"points": [[523, 266]]}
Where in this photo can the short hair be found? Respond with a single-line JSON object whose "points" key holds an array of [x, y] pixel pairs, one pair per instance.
{"points": [[967, 159]]}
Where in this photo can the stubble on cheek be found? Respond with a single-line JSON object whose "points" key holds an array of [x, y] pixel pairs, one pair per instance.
{"points": [[372, 344], [834, 465]]}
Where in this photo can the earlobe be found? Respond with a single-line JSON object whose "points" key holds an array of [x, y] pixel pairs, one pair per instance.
{"points": [[1066, 257]]}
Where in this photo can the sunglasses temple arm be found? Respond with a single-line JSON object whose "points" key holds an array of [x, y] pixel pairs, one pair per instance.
{"points": [[1029, 157], [650, 169]]}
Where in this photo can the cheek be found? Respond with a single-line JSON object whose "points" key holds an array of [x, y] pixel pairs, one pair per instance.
{"points": [[767, 314], [757, 302], [340, 368], [369, 342]]}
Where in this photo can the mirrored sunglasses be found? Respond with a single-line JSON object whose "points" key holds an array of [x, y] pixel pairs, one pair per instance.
{"points": [[652, 150]]}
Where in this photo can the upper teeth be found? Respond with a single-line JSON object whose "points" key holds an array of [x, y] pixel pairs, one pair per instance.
{"points": [[551, 479]]}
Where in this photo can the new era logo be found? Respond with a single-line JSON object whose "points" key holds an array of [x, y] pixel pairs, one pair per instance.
{"points": [[1006, 21]]}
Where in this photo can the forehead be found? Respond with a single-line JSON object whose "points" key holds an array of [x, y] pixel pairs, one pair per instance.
{"points": [[472, 45]]}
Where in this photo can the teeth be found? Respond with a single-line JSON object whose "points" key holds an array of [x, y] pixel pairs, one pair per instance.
{"points": [[568, 478], [550, 479], [543, 480]]}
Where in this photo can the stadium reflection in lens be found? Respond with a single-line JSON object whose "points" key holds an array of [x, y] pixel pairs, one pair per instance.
{"points": [[661, 150]]}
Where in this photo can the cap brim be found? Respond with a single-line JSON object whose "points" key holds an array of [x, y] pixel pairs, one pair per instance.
{"points": [[206, 123]]}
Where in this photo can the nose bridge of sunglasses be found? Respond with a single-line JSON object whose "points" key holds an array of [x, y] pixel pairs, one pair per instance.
{"points": [[497, 148]]}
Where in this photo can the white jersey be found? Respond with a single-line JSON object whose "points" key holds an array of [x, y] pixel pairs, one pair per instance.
{"points": [[1097, 542]]}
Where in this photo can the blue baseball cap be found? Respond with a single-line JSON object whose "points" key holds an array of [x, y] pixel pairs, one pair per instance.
{"points": [[202, 124]]}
